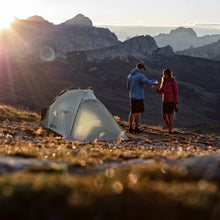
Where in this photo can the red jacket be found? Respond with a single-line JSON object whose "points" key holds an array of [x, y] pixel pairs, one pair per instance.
{"points": [[169, 91]]}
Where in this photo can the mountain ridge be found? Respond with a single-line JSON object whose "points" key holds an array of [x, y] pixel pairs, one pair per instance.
{"points": [[141, 47]]}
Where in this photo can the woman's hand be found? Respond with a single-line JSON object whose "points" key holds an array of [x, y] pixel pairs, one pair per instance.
{"points": [[154, 87]]}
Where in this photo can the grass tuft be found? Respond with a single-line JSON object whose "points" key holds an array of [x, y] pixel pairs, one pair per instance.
{"points": [[19, 115]]}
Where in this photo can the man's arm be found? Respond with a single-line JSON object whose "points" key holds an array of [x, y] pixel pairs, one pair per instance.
{"points": [[145, 80]]}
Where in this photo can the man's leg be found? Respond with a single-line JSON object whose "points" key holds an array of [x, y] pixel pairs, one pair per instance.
{"points": [[137, 119], [131, 119]]}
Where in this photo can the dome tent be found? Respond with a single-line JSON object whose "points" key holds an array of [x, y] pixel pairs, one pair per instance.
{"points": [[78, 115]]}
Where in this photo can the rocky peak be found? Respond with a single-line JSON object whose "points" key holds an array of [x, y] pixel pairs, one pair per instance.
{"points": [[141, 44], [79, 20], [165, 51], [183, 32], [179, 39]]}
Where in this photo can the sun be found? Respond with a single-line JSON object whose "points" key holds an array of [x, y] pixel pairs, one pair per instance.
{"points": [[5, 21]]}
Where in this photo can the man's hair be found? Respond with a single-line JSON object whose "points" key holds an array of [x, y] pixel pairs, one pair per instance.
{"points": [[140, 65]]}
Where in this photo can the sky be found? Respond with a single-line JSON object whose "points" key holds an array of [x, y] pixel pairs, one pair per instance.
{"points": [[116, 12]]}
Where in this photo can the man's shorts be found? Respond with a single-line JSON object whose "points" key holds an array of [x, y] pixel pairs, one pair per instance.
{"points": [[168, 107], [136, 106]]}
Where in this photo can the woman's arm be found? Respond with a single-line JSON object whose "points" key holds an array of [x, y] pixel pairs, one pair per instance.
{"points": [[160, 90]]}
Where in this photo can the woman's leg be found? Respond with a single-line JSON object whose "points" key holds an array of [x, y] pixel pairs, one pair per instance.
{"points": [[165, 118], [170, 123]]}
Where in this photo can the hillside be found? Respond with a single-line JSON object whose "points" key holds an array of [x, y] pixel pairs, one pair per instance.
{"points": [[58, 179], [34, 84]]}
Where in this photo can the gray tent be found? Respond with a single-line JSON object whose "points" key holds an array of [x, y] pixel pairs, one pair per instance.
{"points": [[78, 115]]}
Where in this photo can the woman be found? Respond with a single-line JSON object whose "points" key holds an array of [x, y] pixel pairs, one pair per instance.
{"points": [[169, 90]]}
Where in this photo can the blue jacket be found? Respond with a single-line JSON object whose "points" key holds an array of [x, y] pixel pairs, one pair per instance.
{"points": [[135, 84]]}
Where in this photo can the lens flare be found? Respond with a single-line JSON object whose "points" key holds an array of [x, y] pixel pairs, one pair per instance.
{"points": [[47, 54]]}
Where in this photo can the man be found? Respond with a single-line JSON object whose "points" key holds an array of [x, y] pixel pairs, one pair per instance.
{"points": [[135, 85]]}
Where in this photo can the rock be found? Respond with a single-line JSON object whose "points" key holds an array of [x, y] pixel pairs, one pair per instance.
{"points": [[9, 164], [6, 121], [206, 167]]}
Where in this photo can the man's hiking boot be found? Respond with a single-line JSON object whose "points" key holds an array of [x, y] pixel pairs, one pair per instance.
{"points": [[130, 130], [137, 130]]}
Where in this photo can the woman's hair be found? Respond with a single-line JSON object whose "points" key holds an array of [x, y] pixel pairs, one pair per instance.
{"points": [[168, 73]]}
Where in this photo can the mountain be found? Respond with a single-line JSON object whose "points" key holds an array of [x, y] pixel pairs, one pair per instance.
{"points": [[210, 51], [34, 84], [184, 38], [28, 38], [142, 48]]}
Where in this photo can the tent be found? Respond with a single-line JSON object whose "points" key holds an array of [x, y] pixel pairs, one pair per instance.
{"points": [[78, 115]]}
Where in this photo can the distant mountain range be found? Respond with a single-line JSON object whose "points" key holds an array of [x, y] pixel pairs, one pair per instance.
{"points": [[184, 38], [36, 38], [33, 82]]}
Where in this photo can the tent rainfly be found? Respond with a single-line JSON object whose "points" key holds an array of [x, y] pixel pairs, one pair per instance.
{"points": [[78, 115]]}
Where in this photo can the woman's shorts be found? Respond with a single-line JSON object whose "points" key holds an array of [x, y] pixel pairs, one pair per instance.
{"points": [[136, 106], [168, 107]]}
